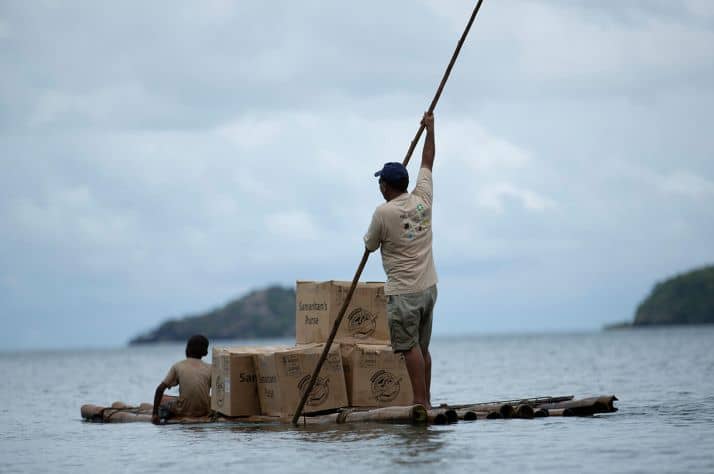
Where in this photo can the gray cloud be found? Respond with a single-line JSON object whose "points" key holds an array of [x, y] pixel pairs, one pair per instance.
{"points": [[158, 160]]}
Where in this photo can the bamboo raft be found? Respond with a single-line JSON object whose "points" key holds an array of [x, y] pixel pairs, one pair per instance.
{"points": [[526, 408]]}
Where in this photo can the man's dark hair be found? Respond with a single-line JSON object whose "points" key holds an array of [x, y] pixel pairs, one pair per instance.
{"points": [[197, 346], [400, 185]]}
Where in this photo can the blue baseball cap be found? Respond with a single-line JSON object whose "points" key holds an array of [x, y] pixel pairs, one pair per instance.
{"points": [[392, 172]]}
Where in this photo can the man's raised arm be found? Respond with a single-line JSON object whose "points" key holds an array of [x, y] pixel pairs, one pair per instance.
{"points": [[427, 155]]}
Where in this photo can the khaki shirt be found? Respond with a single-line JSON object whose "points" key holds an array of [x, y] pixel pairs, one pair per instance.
{"points": [[193, 376], [402, 228]]}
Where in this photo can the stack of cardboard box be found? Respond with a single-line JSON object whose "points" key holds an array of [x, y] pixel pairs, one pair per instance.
{"points": [[375, 375], [361, 369], [234, 382]]}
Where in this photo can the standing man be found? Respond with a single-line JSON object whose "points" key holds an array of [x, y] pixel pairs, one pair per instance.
{"points": [[402, 228]]}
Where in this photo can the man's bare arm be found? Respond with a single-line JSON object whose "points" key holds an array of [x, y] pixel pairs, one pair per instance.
{"points": [[158, 395], [427, 155]]}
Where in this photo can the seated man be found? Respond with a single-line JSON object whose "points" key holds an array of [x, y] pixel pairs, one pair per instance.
{"points": [[193, 376]]}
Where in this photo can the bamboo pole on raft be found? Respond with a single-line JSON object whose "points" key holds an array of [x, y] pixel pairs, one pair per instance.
{"points": [[119, 412], [365, 256]]}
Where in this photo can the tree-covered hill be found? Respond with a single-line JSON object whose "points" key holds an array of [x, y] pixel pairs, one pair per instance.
{"points": [[260, 314], [684, 299]]}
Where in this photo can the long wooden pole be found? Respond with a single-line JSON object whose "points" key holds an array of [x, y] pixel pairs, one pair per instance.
{"points": [[365, 256], [434, 101]]}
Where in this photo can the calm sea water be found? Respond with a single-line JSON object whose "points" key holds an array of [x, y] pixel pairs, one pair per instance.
{"points": [[663, 377]]}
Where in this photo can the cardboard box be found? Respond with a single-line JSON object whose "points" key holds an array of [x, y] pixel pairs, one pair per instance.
{"points": [[376, 376], [283, 375], [234, 388], [318, 304]]}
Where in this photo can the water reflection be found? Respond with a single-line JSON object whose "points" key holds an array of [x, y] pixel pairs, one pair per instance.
{"points": [[420, 445], [409, 442]]}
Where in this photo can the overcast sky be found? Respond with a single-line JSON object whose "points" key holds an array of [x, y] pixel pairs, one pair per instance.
{"points": [[158, 159]]}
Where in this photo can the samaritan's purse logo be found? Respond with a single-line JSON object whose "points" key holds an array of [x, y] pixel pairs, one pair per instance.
{"points": [[361, 323], [385, 386], [320, 391]]}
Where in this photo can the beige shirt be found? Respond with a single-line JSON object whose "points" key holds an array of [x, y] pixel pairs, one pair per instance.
{"points": [[402, 227], [193, 376]]}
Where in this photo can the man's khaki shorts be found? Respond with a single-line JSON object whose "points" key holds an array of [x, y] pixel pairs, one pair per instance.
{"points": [[410, 318]]}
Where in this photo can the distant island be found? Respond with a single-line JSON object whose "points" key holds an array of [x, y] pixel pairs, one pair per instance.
{"points": [[260, 314], [683, 299]]}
